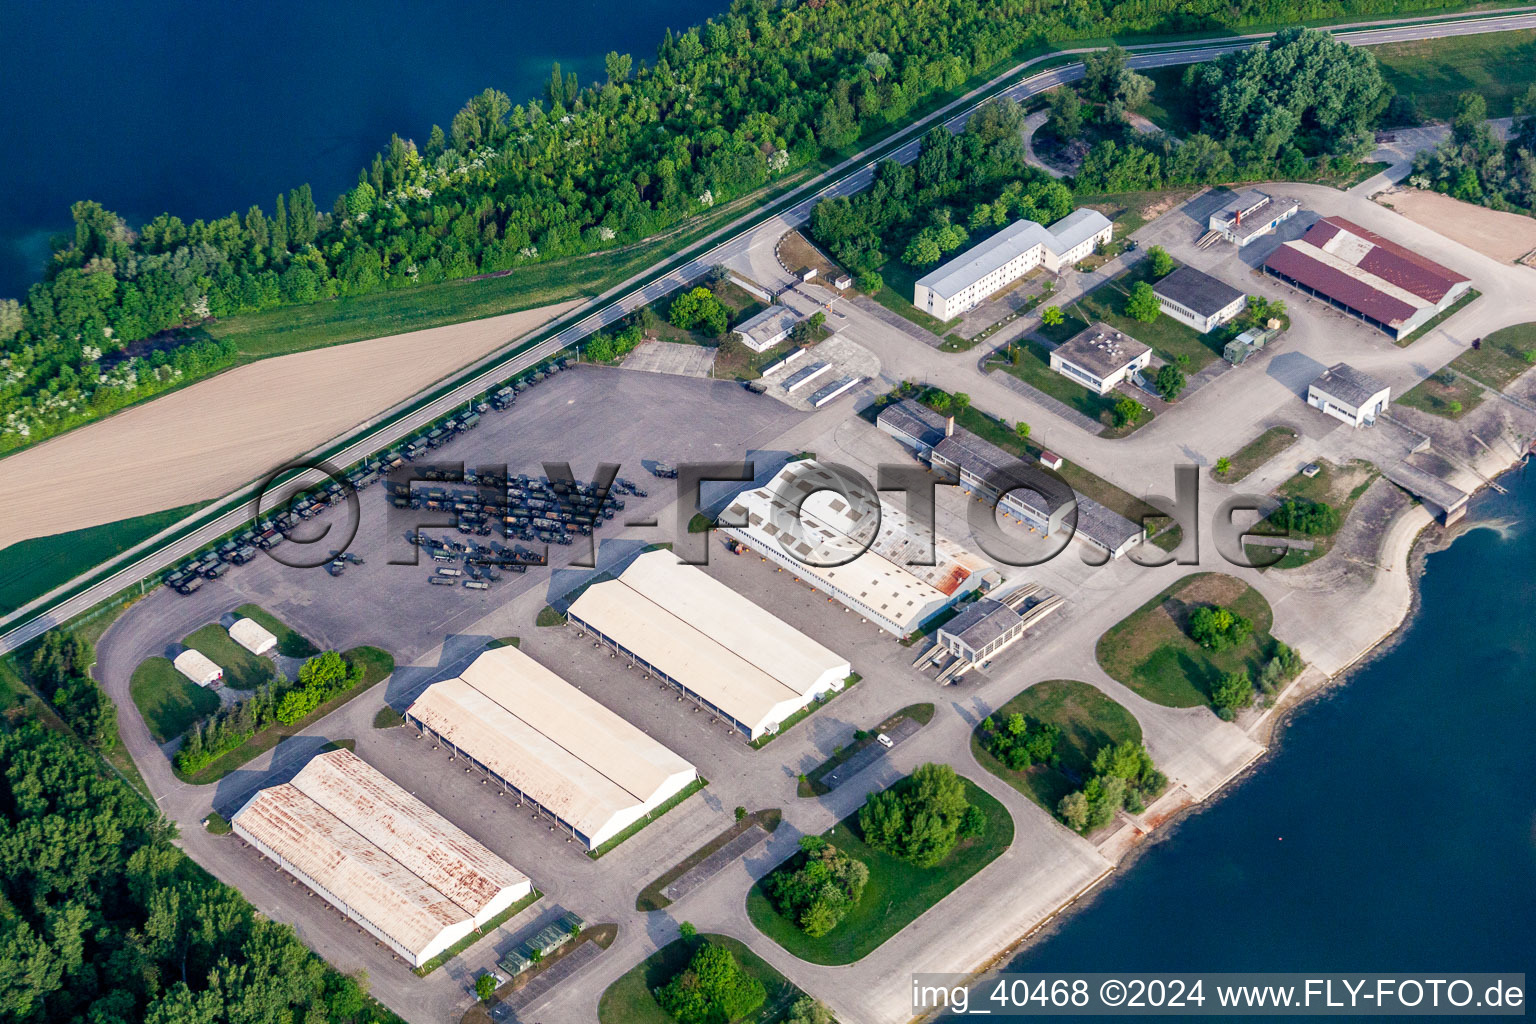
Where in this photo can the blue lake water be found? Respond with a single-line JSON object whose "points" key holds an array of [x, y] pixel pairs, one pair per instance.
{"points": [[203, 108], [1394, 829]]}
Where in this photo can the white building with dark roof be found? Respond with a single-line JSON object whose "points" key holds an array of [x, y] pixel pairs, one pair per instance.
{"points": [[964, 281], [1348, 394], [1198, 299], [539, 737], [1099, 357], [765, 330], [723, 651], [401, 871]]}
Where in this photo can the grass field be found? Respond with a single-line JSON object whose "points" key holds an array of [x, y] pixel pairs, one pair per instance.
{"points": [[1502, 356], [1451, 399], [1151, 652], [242, 669], [897, 893], [1167, 337], [1088, 720], [168, 701], [377, 665], [1031, 363], [1255, 453], [1497, 65], [1339, 486], [290, 642], [629, 1000], [33, 567]]}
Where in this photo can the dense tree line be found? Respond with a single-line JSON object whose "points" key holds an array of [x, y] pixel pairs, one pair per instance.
{"points": [[1123, 776], [726, 107], [712, 989], [817, 889], [320, 678], [920, 213], [1235, 690], [61, 671], [103, 920], [1299, 106], [923, 817], [1473, 165]]}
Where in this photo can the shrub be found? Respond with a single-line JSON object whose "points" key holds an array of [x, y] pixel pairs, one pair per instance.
{"points": [[712, 989], [1217, 628], [819, 892], [919, 818], [1233, 691]]}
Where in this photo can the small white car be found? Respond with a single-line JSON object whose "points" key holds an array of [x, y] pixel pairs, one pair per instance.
{"points": [[884, 740]]}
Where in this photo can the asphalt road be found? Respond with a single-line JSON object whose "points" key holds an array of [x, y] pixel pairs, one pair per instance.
{"points": [[847, 178]]}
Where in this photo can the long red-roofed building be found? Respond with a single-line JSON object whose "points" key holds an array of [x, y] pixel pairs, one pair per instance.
{"points": [[1367, 276]]}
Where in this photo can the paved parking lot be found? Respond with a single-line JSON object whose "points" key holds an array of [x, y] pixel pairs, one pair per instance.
{"points": [[671, 357]]}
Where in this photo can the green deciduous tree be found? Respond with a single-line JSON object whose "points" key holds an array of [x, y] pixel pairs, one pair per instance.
{"points": [[1159, 262], [1170, 382], [919, 818], [1142, 303]]}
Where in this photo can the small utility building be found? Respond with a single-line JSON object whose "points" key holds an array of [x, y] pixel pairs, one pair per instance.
{"points": [[404, 873], [1251, 214], [1197, 299], [766, 329], [1348, 394], [551, 745], [198, 667], [252, 636], [721, 650], [1099, 357]]}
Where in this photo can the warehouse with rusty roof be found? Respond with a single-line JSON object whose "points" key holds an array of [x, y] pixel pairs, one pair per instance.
{"points": [[401, 871], [1367, 276], [551, 745]]}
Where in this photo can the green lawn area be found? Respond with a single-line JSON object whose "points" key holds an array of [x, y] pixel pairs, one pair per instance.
{"points": [[1150, 652], [31, 568], [1168, 338], [290, 642], [629, 1000], [1339, 486], [1498, 65], [897, 893], [1130, 211], [1501, 357], [1441, 317], [896, 295], [1088, 720], [1452, 398], [1031, 363], [377, 665], [242, 669], [168, 700], [1257, 452]]}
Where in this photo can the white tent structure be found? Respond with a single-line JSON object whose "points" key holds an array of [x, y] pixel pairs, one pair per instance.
{"points": [[253, 636], [551, 745], [729, 654], [198, 667], [403, 872]]}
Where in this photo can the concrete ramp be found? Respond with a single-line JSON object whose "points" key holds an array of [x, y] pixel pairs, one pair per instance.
{"points": [[1446, 500]]}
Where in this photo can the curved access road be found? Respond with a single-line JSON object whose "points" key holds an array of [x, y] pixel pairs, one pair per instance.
{"points": [[142, 562]]}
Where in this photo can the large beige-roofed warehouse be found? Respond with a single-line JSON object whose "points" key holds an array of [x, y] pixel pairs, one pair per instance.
{"points": [[729, 654], [545, 740], [406, 874]]}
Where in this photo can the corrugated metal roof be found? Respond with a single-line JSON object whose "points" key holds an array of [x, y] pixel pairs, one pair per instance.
{"points": [[1399, 265], [374, 886], [1351, 386], [555, 778], [197, 666], [759, 637], [913, 419], [1198, 291], [251, 635], [707, 668], [409, 831], [1309, 266], [581, 725]]}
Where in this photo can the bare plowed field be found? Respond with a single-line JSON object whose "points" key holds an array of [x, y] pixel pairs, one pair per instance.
{"points": [[207, 439]]}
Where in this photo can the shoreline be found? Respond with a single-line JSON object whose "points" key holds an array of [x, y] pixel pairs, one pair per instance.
{"points": [[1268, 729]]}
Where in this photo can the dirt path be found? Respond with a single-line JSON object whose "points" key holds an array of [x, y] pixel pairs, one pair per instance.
{"points": [[208, 439], [1505, 237]]}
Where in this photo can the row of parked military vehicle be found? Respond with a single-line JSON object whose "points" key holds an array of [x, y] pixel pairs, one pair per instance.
{"points": [[270, 531], [519, 507]]}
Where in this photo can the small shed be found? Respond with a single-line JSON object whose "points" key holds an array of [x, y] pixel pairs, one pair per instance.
{"points": [[1050, 460], [198, 667], [252, 636], [842, 283]]}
